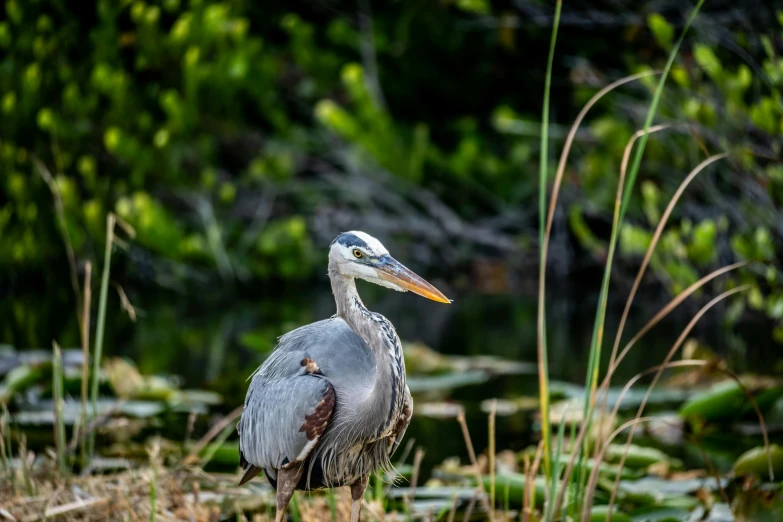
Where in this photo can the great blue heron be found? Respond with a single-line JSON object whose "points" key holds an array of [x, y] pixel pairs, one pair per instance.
{"points": [[330, 405]]}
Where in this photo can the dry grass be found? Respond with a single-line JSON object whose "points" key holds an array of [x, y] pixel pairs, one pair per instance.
{"points": [[120, 496], [180, 494]]}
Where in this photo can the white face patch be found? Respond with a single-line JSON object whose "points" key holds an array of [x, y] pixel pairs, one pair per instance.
{"points": [[343, 254], [363, 271]]}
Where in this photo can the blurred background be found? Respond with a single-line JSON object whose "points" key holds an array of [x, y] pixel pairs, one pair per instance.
{"points": [[238, 138]]}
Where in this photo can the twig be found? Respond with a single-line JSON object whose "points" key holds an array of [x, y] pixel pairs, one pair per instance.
{"points": [[5, 446], [85, 355], [415, 476], [492, 412], [710, 468], [213, 432], [60, 211], [529, 502], [94, 424], [471, 505], [473, 461], [220, 439], [124, 301], [78, 505], [57, 395], [453, 510]]}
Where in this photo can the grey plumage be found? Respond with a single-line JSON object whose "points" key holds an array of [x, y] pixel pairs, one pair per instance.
{"points": [[330, 405], [282, 394]]}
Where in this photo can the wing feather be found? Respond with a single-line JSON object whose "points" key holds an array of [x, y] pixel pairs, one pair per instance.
{"points": [[284, 418], [292, 397]]}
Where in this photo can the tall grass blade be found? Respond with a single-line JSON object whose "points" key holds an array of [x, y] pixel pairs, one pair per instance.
{"points": [[57, 393], [543, 356], [666, 310], [595, 349], [100, 326], [85, 356], [613, 363], [5, 445], [702, 363], [153, 494], [212, 449], [474, 463], [681, 339], [296, 515], [491, 451], [648, 255], [25, 458], [63, 226], [621, 206], [331, 499], [553, 204], [637, 160], [529, 498], [553, 486]]}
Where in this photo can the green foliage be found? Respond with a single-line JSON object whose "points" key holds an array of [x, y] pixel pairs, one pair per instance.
{"points": [[174, 115], [661, 30], [284, 248], [729, 107], [165, 92]]}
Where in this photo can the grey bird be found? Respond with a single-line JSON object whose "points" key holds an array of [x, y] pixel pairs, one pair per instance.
{"points": [[330, 405]]}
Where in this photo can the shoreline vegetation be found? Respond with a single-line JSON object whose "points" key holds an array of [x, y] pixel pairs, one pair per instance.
{"points": [[85, 436]]}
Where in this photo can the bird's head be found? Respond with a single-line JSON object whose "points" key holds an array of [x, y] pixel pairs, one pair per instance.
{"points": [[359, 255]]}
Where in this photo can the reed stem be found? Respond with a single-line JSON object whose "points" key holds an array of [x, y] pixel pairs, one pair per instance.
{"points": [[100, 327]]}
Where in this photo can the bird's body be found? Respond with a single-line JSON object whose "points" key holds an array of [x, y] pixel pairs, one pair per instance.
{"points": [[330, 405], [351, 447]]}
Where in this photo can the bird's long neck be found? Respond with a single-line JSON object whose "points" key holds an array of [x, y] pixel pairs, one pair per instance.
{"points": [[387, 395]]}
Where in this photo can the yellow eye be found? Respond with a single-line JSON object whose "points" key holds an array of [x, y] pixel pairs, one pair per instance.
{"points": [[357, 253]]}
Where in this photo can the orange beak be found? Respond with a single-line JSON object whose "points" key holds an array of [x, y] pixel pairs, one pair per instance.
{"points": [[395, 272]]}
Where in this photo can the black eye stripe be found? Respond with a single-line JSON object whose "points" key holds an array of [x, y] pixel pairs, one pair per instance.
{"points": [[351, 241]]}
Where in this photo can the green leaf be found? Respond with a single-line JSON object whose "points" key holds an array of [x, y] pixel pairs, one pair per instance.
{"points": [[722, 400], [598, 514], [708, 61], [638, 457], [756, 461], [662, 31]]}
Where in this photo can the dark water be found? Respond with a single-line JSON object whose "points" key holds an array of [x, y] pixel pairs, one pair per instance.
{"points": [[216, 337]]}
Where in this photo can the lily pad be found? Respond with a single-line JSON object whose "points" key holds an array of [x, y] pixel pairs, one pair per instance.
{"points": [[728, 400], [43, 413], [639, 457], [598, 514], [447, 381], [23, 377], [128, 383], [756, 462], [514, 483], [665, 489], [631, 399], [226, 454], [659, 514]]}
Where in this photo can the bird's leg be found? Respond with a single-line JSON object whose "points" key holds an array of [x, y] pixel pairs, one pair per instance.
{"points": [[357, 495], [287, 479]]}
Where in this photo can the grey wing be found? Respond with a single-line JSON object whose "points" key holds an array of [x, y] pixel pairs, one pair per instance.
{"points": [[283, 419], [292, 395], [341, 355]]}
